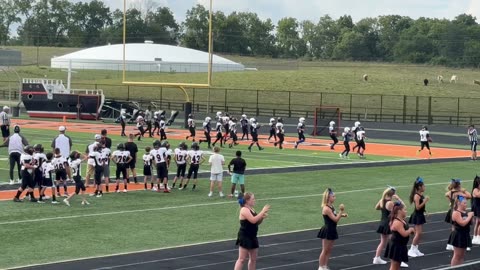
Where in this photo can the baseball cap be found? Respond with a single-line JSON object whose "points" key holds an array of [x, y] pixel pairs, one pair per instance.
{"points": [[98, 136], [61, 128]]}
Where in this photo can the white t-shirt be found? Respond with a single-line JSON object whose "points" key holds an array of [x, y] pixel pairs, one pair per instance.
{"points": [[216, 161], [63, 143]]}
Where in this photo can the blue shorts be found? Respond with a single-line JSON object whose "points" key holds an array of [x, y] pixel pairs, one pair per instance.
{"points": [[238, 179]]}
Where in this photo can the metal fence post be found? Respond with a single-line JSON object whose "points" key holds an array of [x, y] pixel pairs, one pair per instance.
{"points": [[404, 109], [430, 120], [458, 111]]}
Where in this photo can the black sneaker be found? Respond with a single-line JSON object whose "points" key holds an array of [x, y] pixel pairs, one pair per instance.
{"points": [[249, 149], [33, 200], [17, 199]]}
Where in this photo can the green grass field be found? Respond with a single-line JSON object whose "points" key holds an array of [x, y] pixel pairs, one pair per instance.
{"points": [[142, 220]]}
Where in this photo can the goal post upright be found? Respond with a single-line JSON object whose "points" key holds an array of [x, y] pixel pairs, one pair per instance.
{"points": [[180, 85]]}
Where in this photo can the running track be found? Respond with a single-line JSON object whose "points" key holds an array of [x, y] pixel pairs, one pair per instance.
{"points": [[297, 250]]}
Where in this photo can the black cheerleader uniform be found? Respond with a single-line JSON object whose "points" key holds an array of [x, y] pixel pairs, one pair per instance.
{"points": [[418, 216], [397, 246], [475, 206], [329, 230], [247, 234], [384, 227], [460, 236]]}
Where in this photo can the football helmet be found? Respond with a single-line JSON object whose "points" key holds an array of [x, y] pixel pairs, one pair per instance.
{"points": [[272, 120], [279, 119], [38, 147], [28, 149], [301, 120], [157, 144], [208, 119], [346, 129], [195, 146], [252, 120], [219, 114], [16, 129], [357, 124], [244, 116], [332, 123]]}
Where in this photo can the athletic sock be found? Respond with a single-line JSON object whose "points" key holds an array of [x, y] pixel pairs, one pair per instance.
{"points": [[18, 194], [125, 186], [173, 185], [58, 189], [106, 187], [54, 198], [145, 185], [116, 187], [194, 186], [151, 185], [135, 179]]}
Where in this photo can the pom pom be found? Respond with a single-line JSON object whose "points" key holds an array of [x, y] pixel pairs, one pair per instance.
{"points": [[341, 207]]}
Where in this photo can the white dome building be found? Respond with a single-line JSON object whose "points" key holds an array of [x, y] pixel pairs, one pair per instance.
{"points": [[144, 57]]}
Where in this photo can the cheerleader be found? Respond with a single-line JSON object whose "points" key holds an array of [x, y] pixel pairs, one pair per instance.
{"points": [[476, 209], [460, 236], [385, 205], [454, 189], [396, 249], [328, 233], [417, 218]]}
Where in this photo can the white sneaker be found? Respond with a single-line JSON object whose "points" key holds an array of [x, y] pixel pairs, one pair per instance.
{"points": [[449, 247], [378, 260], [46, 197], [210, 194], [154, 188], [19, 180], [340, 155], [412, 252], [124, 191], [54, 202], [12, 182], [404, 265], [66, 202], [85, 203], [117, 191], [221, 194], [475, 240], [469, 249], [419, 254]]}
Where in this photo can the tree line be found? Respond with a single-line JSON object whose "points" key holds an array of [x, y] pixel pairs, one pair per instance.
{"points": [[389, 38]]}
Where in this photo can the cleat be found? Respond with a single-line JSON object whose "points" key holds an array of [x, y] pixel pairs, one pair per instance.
{"points": [[12, 182], [33, 200], [249, 149], [340, 155], [19, 181], [469, 249], [46, 197], [124, 191], [54, 202], [40, 201], [99, 196], [166, 190], [85, 203], [65, 201], [261, 148], [210, 194], [17, 199]]}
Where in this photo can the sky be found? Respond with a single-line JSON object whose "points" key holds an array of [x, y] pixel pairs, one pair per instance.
{"points": [[314, 9]]}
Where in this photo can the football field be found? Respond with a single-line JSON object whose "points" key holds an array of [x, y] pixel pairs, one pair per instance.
{"points": [[291, 181]]}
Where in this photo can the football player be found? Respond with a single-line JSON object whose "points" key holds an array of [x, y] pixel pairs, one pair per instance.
{"points": [[61, 166], [425, 140], [333, 134], [140, 123], [191, 127], [280, 133], [254, 126], [180, 156], [206, 131], [38, 159], [244, 124], [347, 137], [26, 160], [361, 142], [354, 134], [218, 129], [232, 125], [74, 162], [121, 158], [272, 130], [162, 127], [159, 154], [195, 158], [300, 131]]}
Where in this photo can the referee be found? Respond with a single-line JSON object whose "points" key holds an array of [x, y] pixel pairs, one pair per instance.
{"points": [[473, 138], [5, 122]]}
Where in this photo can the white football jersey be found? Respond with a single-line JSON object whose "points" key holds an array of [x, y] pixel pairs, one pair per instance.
{"points": [[195, 156], [121, 156], [180, 156], [424, 135], [47, 169]]}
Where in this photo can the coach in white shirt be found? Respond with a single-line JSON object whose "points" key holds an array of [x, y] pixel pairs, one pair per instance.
{"points": [[62, 142], [15, 144], [216, 173], [5, 122]]}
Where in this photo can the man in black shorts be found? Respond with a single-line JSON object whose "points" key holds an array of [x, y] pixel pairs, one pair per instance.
{"points": [[131, 147]]}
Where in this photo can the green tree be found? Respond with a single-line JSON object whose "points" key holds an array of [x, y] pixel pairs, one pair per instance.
{"points": [[259, 34], [288, 41], [162, 27], [88, 22], [195, 29], [329, 35], [48, 23]]}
